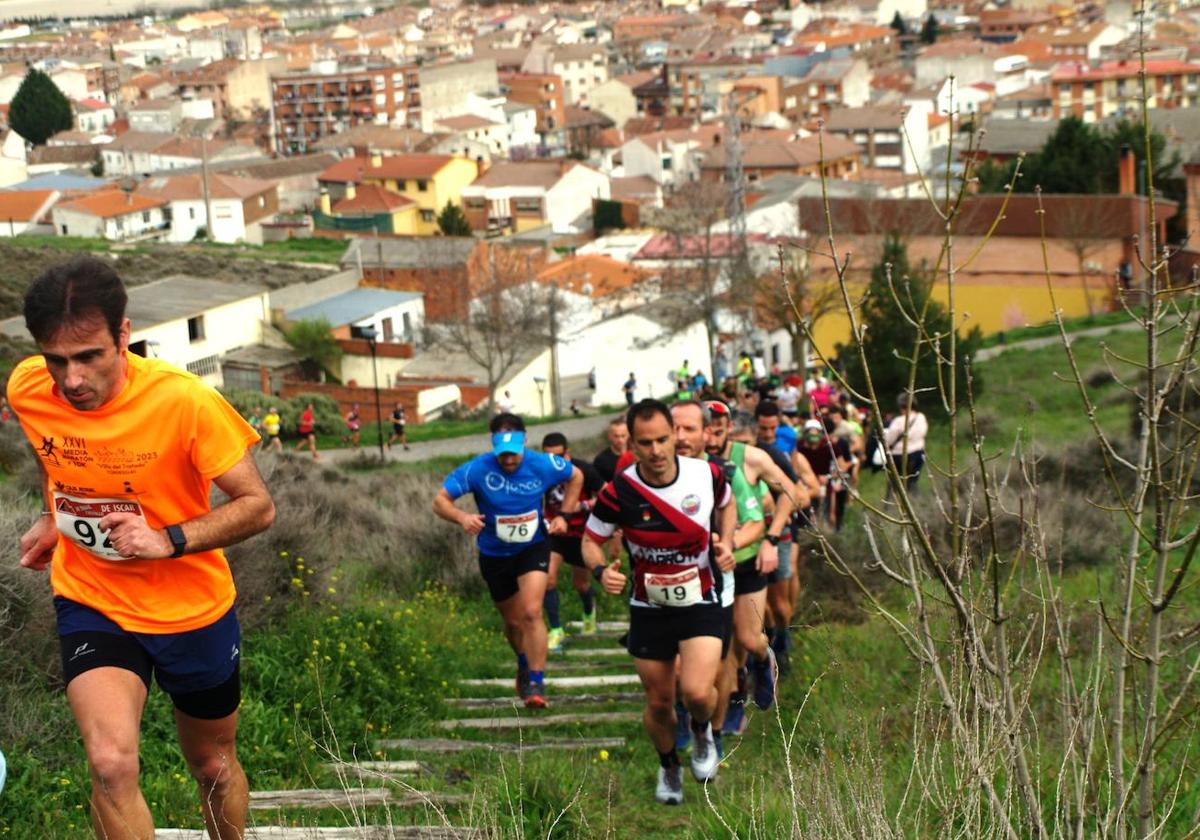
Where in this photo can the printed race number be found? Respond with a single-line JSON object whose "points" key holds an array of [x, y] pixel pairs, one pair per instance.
{"points": [[681, 589], [518, 527], [79, 521]]}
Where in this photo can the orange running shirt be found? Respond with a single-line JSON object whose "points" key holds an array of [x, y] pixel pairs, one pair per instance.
{"points": [[153, 449]]}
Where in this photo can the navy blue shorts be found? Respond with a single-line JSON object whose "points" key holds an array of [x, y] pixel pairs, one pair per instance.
{"points": [[199, 669]]}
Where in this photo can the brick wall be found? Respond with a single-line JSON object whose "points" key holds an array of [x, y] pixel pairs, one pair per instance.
{"points": [[346, 397]]}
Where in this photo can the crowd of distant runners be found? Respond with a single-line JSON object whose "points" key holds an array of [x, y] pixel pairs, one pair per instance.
{"points": [[695, 512]]}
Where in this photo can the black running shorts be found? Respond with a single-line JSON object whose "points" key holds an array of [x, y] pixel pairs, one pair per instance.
{"points": [[655, 633], [501, 573], [569, 548], [747, 579]]}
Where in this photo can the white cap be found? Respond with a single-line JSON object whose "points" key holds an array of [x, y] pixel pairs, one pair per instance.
{"points": [[813, 424]]}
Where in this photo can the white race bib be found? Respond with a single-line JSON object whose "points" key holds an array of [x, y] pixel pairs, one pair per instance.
{"points": [[79, 521], [681, 589], [517, 527]]}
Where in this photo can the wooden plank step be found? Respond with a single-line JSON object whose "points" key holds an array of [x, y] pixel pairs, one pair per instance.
{"points": [[603, 626], [261, 800], [559, 700], [564, 682], [538, 721], [450, 745], [594, 653], [366, 832], [377, 769]]}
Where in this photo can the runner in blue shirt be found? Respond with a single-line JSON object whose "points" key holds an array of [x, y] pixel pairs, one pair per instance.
{"points": [[508, 484]]}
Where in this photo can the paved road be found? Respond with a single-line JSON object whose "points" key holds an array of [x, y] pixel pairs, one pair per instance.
{"points": [[583, 429]]}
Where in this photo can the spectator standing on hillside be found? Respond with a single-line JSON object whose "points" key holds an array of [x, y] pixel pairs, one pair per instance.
{"points": [[905, 440], [129, 448], [308, 431]]}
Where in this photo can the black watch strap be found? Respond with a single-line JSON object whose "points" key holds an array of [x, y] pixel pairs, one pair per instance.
{"points": [[773, 539], [598, 571], [175, 534]]}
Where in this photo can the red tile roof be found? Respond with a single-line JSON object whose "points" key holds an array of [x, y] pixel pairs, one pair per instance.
{"points": [[595, 275], [398, 167], [23, 206], [108, 204], [370, 199]]}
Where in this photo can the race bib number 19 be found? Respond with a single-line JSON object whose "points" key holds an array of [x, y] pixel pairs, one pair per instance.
{"points": [[517, 527], [681, 589], [79, 521]]}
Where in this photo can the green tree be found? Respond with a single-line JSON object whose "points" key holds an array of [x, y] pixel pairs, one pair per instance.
{"points": [[313, 340], [1081, 159], [929, 31], [39, 109], [452, 221], [889, 338], [899, 25]]}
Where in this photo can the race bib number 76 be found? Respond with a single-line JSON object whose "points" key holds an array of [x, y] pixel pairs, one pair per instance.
{"points": [[517, 528], [79, 521]]}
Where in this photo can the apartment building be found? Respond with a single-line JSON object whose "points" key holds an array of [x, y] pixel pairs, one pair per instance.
{"points": [[1093, 92], [329, 99], [544, 91]]}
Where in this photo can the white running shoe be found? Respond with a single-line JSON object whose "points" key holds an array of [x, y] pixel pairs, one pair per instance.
{"points": [[704, 754], [669, 790]]}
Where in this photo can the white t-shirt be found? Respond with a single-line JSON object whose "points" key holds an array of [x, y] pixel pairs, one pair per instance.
{"points": [[789, 398]]}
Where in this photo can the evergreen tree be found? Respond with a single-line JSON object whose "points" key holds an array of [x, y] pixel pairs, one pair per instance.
{"points": [[889, 340], [314, 341], [899, 25], [39, 109], [929, 32], [452, 221]]}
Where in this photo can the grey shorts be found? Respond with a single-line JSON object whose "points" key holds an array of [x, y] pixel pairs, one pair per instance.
{"points": [[784, 570]]}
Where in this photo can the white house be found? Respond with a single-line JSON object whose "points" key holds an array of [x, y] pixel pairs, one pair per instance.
{"points": [[530, 194], [527, 381], [239, 206], [396, 317], [192, 322], [522, 125], [111, 214], [14, 160], [94, 115], [647, 340]]}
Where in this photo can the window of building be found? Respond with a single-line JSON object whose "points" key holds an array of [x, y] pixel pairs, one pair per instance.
{"points": [[191, 212], [195, 330], [387, 329], [208, 366], [528, 205], [422, 186], [426, 215], [146, 217]]}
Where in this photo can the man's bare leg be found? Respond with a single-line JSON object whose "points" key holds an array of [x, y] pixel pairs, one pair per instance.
{"points": [[210, 749]]}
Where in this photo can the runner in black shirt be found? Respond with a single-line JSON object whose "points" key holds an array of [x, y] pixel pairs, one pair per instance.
{"points": [[605, 461]]}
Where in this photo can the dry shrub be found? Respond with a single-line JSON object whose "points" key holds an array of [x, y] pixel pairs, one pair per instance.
{"points": [[378, 529]]}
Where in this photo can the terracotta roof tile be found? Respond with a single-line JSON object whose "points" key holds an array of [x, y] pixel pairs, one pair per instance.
{"points": [[370, 199], [108, 204], [596, 275], [23, 206]]}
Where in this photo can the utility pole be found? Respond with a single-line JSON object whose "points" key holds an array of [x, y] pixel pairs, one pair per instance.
{"points": [[208, 231]]}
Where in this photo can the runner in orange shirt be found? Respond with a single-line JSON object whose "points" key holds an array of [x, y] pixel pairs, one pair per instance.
{"points": [[129, 448]]}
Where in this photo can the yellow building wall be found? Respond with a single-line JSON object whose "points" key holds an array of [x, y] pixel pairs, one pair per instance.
{"points": [[406, 222], [524, 223], [993, 307]]}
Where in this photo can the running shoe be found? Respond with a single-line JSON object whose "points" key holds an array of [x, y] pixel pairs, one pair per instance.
{"points": [[735, 717], [683, 727], [766, 672], [554, 639], [704, 754], [669, 790], [522, 678], [534, 695], [781, 643], [589, 623]]}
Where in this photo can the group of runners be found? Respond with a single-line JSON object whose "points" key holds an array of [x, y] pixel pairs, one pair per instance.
{"points": [[694, 510], [269, 427], [695, 513]]}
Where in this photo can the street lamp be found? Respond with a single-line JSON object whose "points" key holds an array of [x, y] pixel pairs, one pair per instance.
{"points": [[540, 381], [371, 334]]}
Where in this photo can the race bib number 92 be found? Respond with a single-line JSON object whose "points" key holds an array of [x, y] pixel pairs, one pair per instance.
{"points": [[79, 521]]}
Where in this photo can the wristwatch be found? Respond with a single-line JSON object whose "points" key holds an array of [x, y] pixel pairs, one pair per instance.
{"points": [[598, 571], [773, 539], [175, 534]]}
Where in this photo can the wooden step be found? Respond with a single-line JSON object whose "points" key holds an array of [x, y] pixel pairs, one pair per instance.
{"points": [[559, 700], [594, 653], [377, 769], [262, 800], [450, 745], [603, 626], [538, 721], [366, 832], [564, 682]]}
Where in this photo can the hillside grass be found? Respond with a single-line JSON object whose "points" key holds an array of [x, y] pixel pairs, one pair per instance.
{"points": [[347, 640]]}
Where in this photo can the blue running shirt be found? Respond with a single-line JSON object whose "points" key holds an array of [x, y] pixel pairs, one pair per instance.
{"points": [[511, 503]]}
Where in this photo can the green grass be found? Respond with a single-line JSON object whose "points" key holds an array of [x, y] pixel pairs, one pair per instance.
{"points": [[1050, 328], [318, 250]]}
